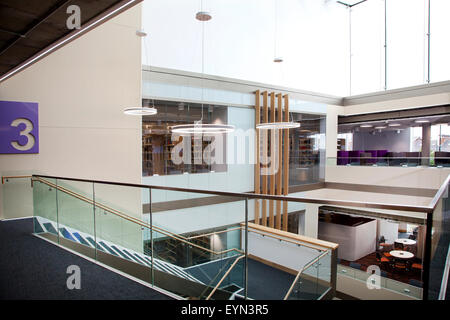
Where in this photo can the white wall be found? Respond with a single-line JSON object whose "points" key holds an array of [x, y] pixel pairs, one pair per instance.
{"points": [[82, 90], [354, 242], [286, 254], [389, 230], [412, 177]]}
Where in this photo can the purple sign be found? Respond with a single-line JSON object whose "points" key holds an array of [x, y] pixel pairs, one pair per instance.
{"points": [[19, 127]]}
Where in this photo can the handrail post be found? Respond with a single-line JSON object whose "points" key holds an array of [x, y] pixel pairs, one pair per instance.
{"points": [[151, 236], [57, 213], [246, 251], [95, 227]]}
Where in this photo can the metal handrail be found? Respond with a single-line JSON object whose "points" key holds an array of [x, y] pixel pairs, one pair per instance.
{"points": [[258, 196], [301, 271], [224, 276], [131, 219]]}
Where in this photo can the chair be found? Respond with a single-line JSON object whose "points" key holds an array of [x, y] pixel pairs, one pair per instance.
{"points": [[384, 261], [416, 267], [400, 265]]}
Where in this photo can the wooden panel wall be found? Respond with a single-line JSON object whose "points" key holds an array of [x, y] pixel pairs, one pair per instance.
{"points": [[277, 182]]}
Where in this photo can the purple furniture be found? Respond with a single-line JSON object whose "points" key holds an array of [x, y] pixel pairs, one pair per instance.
{"points": [[373, 156], [342, 158], [354, 156]]}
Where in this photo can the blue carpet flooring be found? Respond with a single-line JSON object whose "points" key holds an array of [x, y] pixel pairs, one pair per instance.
{"points": [[31, 268]]}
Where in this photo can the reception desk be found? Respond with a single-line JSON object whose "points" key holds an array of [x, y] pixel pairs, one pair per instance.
{"points": [[356, 236]]}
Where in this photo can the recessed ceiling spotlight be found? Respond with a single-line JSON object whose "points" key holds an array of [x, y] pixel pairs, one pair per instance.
{"points": [[421, 121], [394, 124], [203, 16], [366, 126]]}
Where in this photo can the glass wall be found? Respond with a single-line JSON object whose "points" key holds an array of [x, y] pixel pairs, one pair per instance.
{"points": [[406, 141], [306, 145], [440, 44], [390, 47], [311, 36], [386, 248], [406, 42], [341, 48], [159, 146]]}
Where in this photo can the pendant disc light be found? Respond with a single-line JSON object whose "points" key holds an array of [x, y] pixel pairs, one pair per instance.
{"points": [[141, 111], [278, 125], [198, 127]]}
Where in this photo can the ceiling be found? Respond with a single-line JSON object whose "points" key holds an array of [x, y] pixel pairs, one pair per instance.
{"points": [[29, 26]]}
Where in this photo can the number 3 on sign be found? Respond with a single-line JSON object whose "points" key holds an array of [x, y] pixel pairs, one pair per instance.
{"points": [[25, 132]]}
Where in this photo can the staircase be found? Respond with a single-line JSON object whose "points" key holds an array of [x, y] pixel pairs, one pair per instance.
{"points": [[43, 225]]}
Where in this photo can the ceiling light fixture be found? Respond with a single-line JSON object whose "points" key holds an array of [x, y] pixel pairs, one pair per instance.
{"points": [[278, 125], [380, 127], [203, 16], [202, 128], [198, 127], [142, 111], [276, 59], [366, 126], [394, 124], [421, 121]]}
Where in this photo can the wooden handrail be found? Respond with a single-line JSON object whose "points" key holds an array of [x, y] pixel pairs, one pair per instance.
{"points": [[13, 177], [301, 271], [132, 219], [212, 233], [440, 193], [286, 240], [224, 276], [280, 234]]}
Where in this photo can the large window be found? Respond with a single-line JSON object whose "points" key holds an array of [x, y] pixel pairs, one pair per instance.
{"points": [[440, 43], [406, 43], [158, 143], [326, 46], [440, 137], [307, 144]]}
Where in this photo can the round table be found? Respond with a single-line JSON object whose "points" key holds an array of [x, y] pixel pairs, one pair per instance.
{"points": [[406, 242], [399, 254]]}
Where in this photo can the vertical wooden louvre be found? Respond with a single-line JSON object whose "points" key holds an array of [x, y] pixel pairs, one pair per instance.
{"points": [[286, 163], [265, 155], [272, 164], [276, 181], [280, 163], [257, 177]]}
